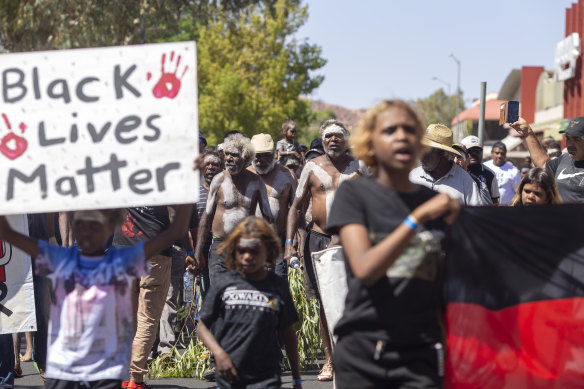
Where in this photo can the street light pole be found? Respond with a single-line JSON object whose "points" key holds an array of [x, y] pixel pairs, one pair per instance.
{"points": [[443, 82], [448, 85], [451, 55]]}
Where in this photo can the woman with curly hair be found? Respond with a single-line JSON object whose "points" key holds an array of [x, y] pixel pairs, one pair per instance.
{"points": [[250, 309], [537, 187], [391, 229]]}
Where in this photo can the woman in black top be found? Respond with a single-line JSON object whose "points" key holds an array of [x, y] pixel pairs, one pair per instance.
{"points": [[389, 335]]}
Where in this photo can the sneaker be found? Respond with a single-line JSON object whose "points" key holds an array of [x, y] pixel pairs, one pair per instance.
{"points": [[209, 375], [326, 374]]}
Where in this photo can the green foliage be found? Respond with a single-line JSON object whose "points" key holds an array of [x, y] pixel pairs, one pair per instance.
{"points": [[438, 107], [307, 327], [194, 361], [251, 77], [28, 25]]}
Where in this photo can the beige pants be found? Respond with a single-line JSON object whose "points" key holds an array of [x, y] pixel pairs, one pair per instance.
{"points": [[148, 297]]}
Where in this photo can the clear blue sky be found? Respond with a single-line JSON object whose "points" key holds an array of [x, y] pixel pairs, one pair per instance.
{"points": [[380, 49]]}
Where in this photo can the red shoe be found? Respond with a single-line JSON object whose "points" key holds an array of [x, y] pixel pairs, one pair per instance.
{"points": [[133, 385]]}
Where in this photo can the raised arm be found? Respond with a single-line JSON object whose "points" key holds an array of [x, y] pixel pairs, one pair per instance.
{"points": [[177, 229], [370, 263], [25, 243], [536, 150]]}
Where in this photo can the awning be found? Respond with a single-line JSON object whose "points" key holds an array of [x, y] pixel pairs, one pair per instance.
{"points": [[492, 112]]}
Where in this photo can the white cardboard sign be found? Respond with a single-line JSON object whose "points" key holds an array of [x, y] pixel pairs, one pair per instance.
{"points": [[98, 128]]}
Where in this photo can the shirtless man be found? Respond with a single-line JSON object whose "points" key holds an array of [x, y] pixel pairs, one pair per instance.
{"points": [[280, 185], [234, 194], [319, 181]]}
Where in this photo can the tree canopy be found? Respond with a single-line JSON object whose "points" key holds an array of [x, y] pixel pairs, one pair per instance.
{"points": [[251, 71], [438, 107], [251, 77]]}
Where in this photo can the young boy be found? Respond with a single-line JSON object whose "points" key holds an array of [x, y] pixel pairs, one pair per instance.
{"points": [[90, 328], [287, 146]]}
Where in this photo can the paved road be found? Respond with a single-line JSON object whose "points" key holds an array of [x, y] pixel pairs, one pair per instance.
{"points": [[31, 379]]}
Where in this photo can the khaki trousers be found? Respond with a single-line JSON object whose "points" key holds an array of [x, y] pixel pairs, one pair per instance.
{"points": [[148, 297]]}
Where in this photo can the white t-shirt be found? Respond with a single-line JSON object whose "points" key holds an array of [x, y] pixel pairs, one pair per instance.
{"points": [[456, 183], [90, 328], [508, 177]]}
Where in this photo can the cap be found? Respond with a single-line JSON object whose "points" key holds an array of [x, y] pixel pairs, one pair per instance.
{"points": [[471, 141], [438, 136], [575, 127], [262, 143]]}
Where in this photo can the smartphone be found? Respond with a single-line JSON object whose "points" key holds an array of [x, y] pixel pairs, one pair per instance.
{"points": [[509, 112]]}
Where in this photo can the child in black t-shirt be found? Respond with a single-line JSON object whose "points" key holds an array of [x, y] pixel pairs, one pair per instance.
{"points": [[250, 309], [389, 334]]}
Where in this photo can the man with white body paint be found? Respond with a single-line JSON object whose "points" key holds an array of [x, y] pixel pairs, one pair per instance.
{"points": [[280, 185], [234, 194], [319, 181]]}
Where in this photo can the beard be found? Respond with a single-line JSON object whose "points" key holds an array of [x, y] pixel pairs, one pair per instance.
{"points": [[334, 154], [234, 170], [264, 170]]}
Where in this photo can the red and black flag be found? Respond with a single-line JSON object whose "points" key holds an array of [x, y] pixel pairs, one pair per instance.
{"points": [[514, 290]]}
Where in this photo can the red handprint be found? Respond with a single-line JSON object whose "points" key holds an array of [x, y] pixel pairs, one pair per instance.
{"points": [[128, 227], [169, 84], [12, 145]]}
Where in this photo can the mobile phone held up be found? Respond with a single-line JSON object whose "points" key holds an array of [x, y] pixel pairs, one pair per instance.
{"points": [[509, 112]]}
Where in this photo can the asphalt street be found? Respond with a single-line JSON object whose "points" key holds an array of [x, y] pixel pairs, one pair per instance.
{"points": [[31, 379]]}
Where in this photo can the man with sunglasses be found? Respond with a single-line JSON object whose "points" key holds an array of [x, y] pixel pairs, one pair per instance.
{"points": [[568, 168]]}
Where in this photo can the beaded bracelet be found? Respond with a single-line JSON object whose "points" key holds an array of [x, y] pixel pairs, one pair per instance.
{"points": [[190, 253], [289, 240]]}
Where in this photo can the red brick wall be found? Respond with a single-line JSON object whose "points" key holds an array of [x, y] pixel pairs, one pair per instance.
{"points": [[573, 101], [529, 78]]}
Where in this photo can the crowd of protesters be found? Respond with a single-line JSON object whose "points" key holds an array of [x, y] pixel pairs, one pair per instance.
{"points": [[262, 203]]}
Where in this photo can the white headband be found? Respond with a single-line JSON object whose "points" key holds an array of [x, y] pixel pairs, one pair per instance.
{"points": [[334, 129], [249, 242]]}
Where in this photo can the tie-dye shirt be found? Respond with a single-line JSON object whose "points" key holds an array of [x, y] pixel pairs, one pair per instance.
{"points": [[90, 329]]}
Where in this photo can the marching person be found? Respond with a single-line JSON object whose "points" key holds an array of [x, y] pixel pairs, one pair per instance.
{"points": [[390, 229], [568, 169], [319, 181]]}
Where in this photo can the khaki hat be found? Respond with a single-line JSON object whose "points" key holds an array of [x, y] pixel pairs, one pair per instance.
{"points": [[438, 136], [262, 143]]}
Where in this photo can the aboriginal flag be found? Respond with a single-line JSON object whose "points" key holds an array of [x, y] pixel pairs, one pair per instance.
{"points": [[514, 289]]}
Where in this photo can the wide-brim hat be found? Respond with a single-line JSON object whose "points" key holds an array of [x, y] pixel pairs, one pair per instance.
{"points": [[575, 127], [438, 136]]}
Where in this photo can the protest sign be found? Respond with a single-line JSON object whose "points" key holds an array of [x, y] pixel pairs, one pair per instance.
{"points": [[17, 310], [98, 128]]}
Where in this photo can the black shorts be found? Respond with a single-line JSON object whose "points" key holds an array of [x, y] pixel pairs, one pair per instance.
{"points": [[316, 241], [415, 366], [101, 384]]}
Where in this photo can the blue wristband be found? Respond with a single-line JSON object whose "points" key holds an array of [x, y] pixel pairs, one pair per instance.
{"points": [[297, 381], [411, 222], [289, 240], [190, 253]]}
